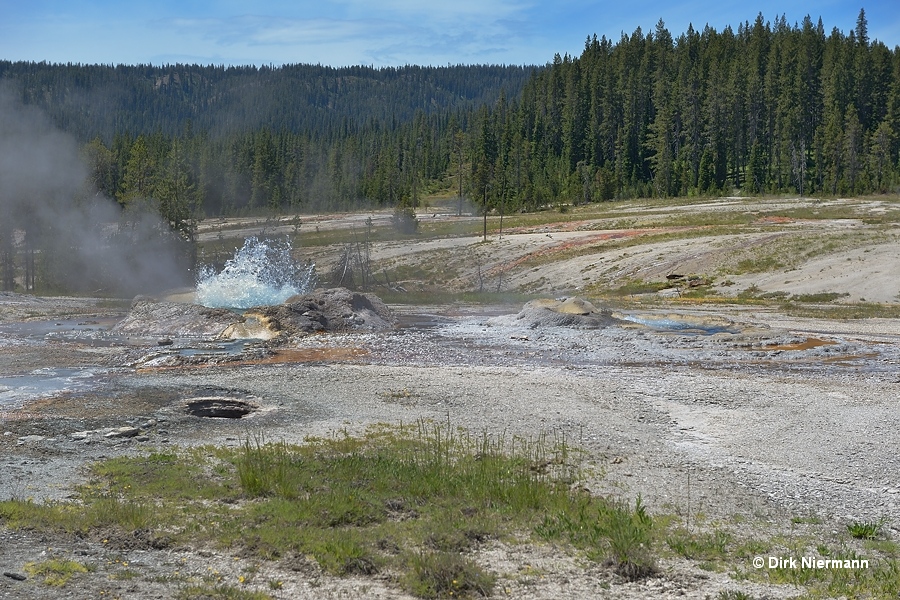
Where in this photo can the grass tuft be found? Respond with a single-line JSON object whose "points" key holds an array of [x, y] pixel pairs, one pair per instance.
{"points": [[264, 469], [447, 575], [866, 530], [55, 572], [733, 595], [609, 531], [711, 546], [219, 592]]}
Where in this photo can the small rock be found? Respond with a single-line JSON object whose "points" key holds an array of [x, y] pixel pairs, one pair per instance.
{"points": [[123, 432], [31, 438], [16, 576], [142, 438]]}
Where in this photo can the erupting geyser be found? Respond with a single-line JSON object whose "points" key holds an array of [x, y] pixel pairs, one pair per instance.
{"points": [[262, 272]]}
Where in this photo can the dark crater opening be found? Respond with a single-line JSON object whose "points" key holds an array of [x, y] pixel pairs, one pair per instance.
{"points": [[218, 407]]}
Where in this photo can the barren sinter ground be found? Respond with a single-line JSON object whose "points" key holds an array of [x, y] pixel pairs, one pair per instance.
{"points": [[782, 427]]}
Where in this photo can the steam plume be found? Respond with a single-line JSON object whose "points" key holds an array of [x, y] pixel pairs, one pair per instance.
{"points": [[54, 225]]}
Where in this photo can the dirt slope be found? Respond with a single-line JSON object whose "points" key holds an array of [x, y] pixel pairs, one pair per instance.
{"points": [[847, 247]]}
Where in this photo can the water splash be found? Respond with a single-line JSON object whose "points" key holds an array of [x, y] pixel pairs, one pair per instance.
{"points": [[262, 272]]}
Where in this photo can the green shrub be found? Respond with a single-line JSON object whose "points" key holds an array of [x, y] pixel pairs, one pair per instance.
{"points": [[404, 220]]}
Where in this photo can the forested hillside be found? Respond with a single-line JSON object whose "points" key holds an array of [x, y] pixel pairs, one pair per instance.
{"points": [[770, 107], [767, 108], [238, 139], [91, 101]]}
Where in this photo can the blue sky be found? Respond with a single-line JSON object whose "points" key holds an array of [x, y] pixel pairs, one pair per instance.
{"points": [[379, 33]]}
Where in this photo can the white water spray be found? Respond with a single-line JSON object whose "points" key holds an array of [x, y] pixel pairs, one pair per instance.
{"points": [[262, 272]]}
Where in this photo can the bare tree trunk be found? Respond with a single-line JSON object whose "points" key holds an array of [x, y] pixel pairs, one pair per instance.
{"points": [[459, 173], [484, 204], [29, 269], [480, 278], [7, 260]]}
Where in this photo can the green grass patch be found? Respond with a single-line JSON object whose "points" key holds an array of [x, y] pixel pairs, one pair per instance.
{"points": [[857, 310], [218, 592], [55, 572], [852, 573], [817, 306], [413, 505], [637, 287], [761, 264], [734, 595], [790, 250], [821, 297], [820, 212], [884, 546], [447, 575], [708, 547], [703, 218], [612, 531], [807, 520], [416, 501]]}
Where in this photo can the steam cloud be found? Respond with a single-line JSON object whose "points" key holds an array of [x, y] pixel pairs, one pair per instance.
{"points": [[80, 241]]}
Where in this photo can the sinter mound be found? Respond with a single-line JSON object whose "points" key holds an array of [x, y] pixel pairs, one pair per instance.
{"points": [[568, 312], [323, 310], [331, 310]]}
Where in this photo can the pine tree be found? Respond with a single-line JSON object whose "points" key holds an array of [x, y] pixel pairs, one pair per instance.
{"points": [[661, 134], [138, 178]]}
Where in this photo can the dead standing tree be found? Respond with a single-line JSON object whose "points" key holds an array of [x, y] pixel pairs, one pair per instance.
{"points": [[355, 262], [7, 260]]}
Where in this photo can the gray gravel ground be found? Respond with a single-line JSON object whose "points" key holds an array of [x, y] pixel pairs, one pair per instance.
{"points": [[721, 428]]}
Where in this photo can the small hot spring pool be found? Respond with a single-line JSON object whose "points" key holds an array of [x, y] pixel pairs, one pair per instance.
{"points": [[683, 324]]}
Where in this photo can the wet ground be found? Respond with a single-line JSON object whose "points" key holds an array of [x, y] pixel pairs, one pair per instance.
{"points": [[460, 335]]}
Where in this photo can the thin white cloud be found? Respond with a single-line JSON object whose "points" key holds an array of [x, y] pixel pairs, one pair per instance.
{"points": [[440, 11], [262, 30], [361, 41], [388, 32]]}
